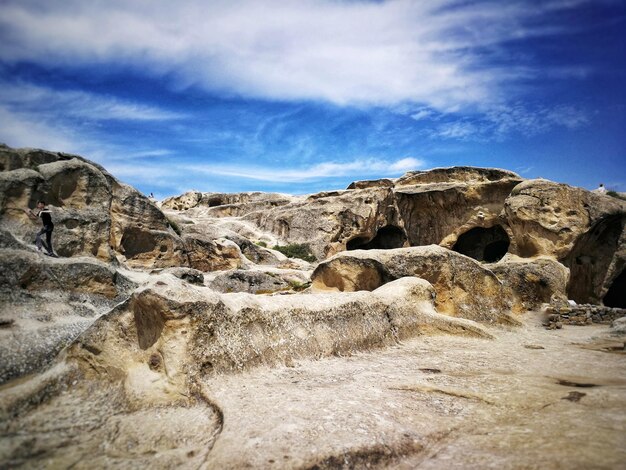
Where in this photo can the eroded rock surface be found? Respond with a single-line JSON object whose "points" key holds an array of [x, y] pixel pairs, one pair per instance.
{"points": [[175, 336], [94, 214], [463, 287]]}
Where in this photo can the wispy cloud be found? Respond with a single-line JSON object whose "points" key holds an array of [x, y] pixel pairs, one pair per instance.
{"points": [[26, 97], [394, 51], [358, 168]]}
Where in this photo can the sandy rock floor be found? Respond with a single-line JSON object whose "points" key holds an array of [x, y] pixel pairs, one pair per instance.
{"points": [[531, 398], [435, 402]]}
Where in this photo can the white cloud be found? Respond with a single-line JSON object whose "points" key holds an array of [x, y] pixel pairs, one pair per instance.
{"points": [[27, 97], [365, 167], [342, 52], [456, 130]]}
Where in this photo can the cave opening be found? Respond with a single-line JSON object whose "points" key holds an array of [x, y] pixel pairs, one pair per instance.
{"points": [[483, 244], [616, 295], [215, 202], [590, 259], [386, 238]]}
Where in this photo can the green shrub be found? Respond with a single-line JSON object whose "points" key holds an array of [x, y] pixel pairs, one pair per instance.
{"points": [[299, 286], [261, 243], [615, 194], [297, 250]]}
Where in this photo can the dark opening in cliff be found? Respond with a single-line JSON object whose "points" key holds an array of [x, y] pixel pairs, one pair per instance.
{"points": [[616, 295], [483, 244], [386, 238], [590, 259], [215, 202]]}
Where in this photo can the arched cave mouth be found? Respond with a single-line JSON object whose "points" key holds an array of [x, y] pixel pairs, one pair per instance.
{"points": [[386, 238], [483, 244], [616, 295]]}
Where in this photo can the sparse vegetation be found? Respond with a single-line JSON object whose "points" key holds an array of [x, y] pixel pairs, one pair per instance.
{"points": [[261, 243], [299, 286], [615, 194], [297, 250]]}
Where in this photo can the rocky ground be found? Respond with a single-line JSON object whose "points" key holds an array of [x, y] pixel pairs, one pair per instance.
{"points": [[428, 321], [529, 398]]}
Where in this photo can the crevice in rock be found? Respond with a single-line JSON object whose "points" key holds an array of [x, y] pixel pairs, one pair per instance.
{"points": [[484, 244], [616, 295]]}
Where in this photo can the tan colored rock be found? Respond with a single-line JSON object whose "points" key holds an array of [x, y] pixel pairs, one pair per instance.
{"points": [[260, 280], [207, 254], [141, 232], [463, 286], [227, 333], [93, 213], [441, 212], [547, 218], [226, 204], [47, 303], [582, 229], [455, 174], [532, 282], [331, 222]]}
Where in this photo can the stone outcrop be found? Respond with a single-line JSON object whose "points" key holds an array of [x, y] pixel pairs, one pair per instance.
{"points": [[464, 288], [47, 302], [581, 229], [260, 281], [94, 214], [165, 326], [530, 283], [227, 204], [195, 332]]}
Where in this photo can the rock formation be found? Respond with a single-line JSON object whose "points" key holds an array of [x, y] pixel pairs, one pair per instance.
{"points": [[180, 334]]}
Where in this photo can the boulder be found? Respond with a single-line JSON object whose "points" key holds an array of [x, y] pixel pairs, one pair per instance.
{"points": [[193, 276], [206, 254], [532, 282], [464, 288], [257, 281]]}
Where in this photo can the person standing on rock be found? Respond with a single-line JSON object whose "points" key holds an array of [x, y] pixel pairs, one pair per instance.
{"points": [[46, 218]]}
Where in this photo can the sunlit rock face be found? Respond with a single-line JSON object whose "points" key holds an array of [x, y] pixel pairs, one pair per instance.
{"points": [[94, 214], [187, 333]]}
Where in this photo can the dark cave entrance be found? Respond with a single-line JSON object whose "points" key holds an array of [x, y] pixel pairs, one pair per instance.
{"points": [[215, 202], [483, 244], [386, 238], [616, 296], [590, 259]]}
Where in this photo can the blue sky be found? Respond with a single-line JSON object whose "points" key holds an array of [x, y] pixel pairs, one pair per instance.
{"points": [[299, 96]]}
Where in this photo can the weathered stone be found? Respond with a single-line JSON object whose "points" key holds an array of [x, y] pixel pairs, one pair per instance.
{"points": [[532, 282], [464, 288], [260, 281], [207, 254], [93, 213]]}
